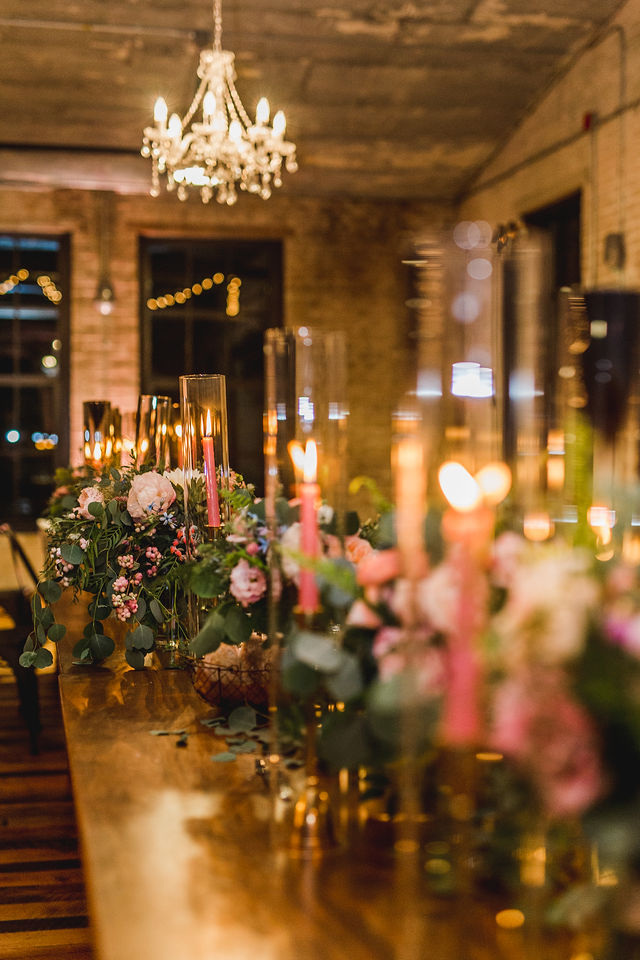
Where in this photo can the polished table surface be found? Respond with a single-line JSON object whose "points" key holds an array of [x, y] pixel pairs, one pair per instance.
{"points": [[179, 858]]}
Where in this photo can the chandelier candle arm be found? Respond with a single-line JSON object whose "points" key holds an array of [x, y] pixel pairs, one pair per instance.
{"points": [[225, 151]]}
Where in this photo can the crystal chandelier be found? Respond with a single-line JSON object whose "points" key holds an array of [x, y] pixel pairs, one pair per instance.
{"points": [[225, 149]]}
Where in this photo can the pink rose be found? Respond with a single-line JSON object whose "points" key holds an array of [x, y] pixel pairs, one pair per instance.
{"points": [[248, 584], [150, 493], [356, 549], [88, 495], [552, 738], [378, 568]]}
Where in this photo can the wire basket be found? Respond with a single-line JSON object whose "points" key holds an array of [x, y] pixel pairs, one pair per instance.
{"points": [[233, 675]]}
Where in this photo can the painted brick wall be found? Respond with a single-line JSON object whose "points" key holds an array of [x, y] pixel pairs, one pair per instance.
{"points": [[551, 155], [342, 270]]}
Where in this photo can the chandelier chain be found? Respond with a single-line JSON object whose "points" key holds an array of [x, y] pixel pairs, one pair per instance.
{"points": [[217, 25]]}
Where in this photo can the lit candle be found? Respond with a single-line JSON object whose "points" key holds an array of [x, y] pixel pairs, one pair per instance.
{"points": [[213, 507], [306, 466], [410, 487], [467, 526]]}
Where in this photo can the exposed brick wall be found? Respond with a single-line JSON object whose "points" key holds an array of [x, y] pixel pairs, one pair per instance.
{"points": [[341, 270], [550, 155]]}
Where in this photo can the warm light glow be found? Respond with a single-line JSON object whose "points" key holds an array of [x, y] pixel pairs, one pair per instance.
{"points": [[175, 126], [305, 462], [510, 919], [207, 426], [459, 487], [600, 517], [160, 111], [279, 124], [208, 106], [555, 473], [262, 112], [537, 526], [494, 480], [97, 451]]}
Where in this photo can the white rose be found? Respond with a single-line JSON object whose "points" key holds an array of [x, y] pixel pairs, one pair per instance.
{"points": [[149, 493]]}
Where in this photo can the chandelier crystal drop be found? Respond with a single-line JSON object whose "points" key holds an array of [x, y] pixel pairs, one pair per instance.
{"points": [[224, 150]]}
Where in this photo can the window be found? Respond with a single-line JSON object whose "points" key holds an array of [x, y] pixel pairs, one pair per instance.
{"points": [[34, 434], [206, 305]]}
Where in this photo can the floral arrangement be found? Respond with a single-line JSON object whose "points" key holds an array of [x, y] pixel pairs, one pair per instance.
{"points": [[554, 668], [120, 537]]}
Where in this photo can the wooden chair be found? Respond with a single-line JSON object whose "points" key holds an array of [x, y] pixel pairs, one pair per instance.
{"points": [[15, 626]]}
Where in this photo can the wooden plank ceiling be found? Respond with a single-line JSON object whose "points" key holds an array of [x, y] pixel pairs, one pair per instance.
{"points": [[397, 98]]}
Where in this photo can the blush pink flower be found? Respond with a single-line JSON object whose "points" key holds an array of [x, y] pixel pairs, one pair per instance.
{"points": [[150, 493], [552, 738], [378, 568], [248, 584], [88, 495], [356, 549], [361, 615]]}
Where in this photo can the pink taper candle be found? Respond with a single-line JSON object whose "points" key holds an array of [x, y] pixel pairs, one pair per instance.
{"points": [[309, 492], [213, 507]]}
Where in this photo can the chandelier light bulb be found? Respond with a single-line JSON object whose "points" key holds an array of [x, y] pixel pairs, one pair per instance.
{"points": [[262, 112], [175, 127], [279, 124], [235, 132], [160, 111], [208, 106], [226, 152]]}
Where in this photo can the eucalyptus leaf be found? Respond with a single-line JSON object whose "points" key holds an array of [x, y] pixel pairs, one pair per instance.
{"points": [[44, 658], [125, 516], [237, 625], [142, 638], [56, 632], [50, 590], [247, 747], [46, 618], [36, 602], [156, 610], [113, 508], [79, 647], [300, 679], [210, 637], [71, 553], [40, 634], [318, 650], [204, 582], [68, 502], [347, 682], [211, 721], [226, 757], [28, 658], [242, 718], [142, 609], [101, 646], [115, 475], [99, 609], [135, 659], [95, 509]]}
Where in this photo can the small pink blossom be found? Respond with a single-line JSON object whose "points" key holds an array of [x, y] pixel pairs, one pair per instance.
{"points": [[253, 548], [361, 615], [120, 585], [88, 495], [378, 568], [150, 493], [248, 584], [356, 549], [126, 561]]}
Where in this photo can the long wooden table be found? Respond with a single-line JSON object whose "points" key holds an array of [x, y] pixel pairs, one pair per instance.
{"points": [[179, 860]]}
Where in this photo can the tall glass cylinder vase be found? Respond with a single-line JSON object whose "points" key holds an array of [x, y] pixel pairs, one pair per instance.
{"points": [[305, 425], [598, 390], [205, 457], [152, 427], [99, 433]]}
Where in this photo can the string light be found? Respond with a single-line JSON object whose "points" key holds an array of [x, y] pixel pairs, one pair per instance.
{"points": [[46, 284], [180, 297]]}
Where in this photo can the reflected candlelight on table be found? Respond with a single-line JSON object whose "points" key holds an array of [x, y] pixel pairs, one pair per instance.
{"points": [[305, 464], [213, 506]]}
